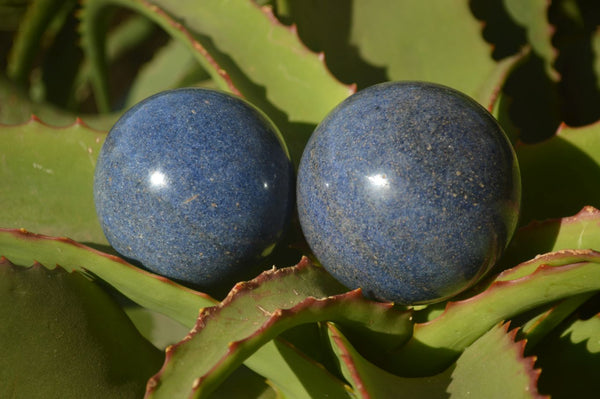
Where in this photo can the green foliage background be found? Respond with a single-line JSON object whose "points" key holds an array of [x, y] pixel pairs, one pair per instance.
{"points": [[69, 68]]}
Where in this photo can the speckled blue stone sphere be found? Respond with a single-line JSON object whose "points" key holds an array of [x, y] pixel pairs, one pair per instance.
{"points": [[195, 185], [409, 190]]}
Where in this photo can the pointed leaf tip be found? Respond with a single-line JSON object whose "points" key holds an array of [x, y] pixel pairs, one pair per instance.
{"points": [[514, 375]]}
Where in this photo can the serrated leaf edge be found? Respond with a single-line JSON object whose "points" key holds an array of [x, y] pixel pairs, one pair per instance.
{"points": [[527, 361], [293, 28], [274, 319], [587, 212], [448, 344], [24, 234], [346, 357], [34, 119], [503, 279]]}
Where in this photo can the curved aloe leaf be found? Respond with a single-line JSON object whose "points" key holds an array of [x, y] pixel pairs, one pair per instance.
{"points": [[11, 14], [538, 327], [256, 312], [569, 163], [147, 289], [95, 17], [244, 49], [156, 327], [172, 66], [16, 108], [371, 382], [299, 376], [513, 375], [150, 291], [47, 179], [580, 231], [62, 336], [596, 50], [570, 360], [34, 23], [412, 40], [245, 384], [548, 278]]}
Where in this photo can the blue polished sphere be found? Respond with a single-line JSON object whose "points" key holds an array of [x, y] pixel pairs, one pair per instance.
{"points": [[409, 190], [194, 184]]}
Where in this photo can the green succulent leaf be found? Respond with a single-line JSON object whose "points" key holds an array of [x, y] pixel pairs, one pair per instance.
{"points": [[245, 384], [17, 108], [566, 163], [437, 343], [513, 375], [172, 66], [147, 289], [155, 294], [157, 328], [409, 40], [288, 82], [11, 13], [580, 231], [47, 179], [369, 381], [298, 376], [596, 51], [539, 326], [62, 336], [34, 23], [570, 360], [256, 312]]}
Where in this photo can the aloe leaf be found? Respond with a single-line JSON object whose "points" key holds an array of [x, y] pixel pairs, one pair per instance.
{"points": [[171, 66], [299, 376], [34, 23], [245, 384], [533, 16], [126, 43], [244, 49], [11, 14], [60, 64], [157, 328], [147, 289], [296, 79], [325, 26], [369, 381], [570, 360], [153, 292], [513, 375], [16, 108], [596, 50], [95, 18], [580, 231], [47, 179], [62, 336], [545, 279], [411, 40], [569, 163], [256, 312], [535, 329]]}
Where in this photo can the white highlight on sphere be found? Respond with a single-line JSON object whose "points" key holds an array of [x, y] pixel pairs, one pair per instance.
{"points": [[379, 180], [158, 179]]}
